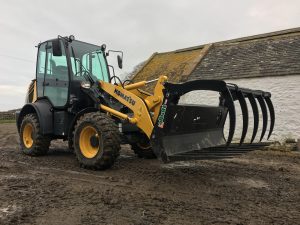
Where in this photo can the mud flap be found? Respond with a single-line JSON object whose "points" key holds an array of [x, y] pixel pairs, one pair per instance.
{"points": [[184, 128]]}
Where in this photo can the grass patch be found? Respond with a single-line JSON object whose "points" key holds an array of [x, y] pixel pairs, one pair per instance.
{"points": [[7, 121]]}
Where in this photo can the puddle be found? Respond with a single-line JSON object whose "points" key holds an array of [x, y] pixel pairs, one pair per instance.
{"points": [[180, 164], [123, 156], [7, 211], [251, 183], [8, 177]]}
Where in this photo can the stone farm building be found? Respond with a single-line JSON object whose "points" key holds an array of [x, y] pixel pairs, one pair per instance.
{"points": [[269, 62]]}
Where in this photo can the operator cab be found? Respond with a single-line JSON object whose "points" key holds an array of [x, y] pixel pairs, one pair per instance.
{"points": [[65, 67], [63, 64]]}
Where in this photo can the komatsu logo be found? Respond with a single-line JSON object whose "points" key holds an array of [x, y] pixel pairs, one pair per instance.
{"points": [[125, 97]]}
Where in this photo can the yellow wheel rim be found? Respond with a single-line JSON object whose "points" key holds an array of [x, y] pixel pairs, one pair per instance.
{"points": [[27, 135], [89, 142]]}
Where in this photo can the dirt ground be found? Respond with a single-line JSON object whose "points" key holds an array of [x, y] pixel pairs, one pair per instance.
{"points": [[260, 187]]}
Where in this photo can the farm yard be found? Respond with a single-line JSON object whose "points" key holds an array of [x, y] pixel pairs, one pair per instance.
{"points": [[260, 187], [150, 112]]}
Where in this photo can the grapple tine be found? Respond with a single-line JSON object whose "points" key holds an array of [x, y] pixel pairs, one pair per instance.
{"points": [[255, 115], [272, 114], [244, 109], [232, 115], [264, 114], [237, 94]]}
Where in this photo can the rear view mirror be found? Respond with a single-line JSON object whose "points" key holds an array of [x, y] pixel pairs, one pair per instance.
{"points": [[120, 61], [56, 47]]}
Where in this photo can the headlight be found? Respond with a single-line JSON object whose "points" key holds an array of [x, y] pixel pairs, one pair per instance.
{"points": [[85, 84]]}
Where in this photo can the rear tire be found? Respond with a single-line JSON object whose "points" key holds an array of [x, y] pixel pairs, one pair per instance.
{"points": [[96, 141], [32, 142]]}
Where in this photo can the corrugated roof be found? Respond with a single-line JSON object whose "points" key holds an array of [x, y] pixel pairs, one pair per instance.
{"points": [[269, 54]]}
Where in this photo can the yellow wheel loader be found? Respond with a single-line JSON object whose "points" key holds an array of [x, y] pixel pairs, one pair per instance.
{"points": [[74, 97]]}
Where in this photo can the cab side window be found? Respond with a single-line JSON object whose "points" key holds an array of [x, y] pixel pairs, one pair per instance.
{"points": [[41, 67], [57, 67], [52, 75]]}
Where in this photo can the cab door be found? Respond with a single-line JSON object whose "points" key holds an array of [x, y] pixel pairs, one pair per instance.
{"points": [[52, 75]]}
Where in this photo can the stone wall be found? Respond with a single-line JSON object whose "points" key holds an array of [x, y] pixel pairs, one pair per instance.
{"points": [[7, 115]]}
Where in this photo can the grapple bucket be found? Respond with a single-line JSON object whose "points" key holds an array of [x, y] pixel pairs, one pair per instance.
{"points": [[185, 128]]}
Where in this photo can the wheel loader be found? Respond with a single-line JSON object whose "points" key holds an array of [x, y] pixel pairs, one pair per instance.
{"points": [[76, 97]]}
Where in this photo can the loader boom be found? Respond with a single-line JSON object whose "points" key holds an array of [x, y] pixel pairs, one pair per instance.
{"points": [[141, 108]]}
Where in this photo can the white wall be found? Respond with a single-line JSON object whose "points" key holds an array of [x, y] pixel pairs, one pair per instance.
{"points": [[285, 92]]}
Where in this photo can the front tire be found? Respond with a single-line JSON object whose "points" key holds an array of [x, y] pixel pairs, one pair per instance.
{"points": [[96, 141], [142, 148], [32, 142]]}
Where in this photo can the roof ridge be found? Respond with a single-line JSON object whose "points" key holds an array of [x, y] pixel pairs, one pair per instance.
{"points": [[262, 36], [238, 40]]}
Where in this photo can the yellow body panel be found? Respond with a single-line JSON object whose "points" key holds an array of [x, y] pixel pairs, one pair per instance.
{"points": [[141, 116], [154, 101], [144, 106], [32, 92]]}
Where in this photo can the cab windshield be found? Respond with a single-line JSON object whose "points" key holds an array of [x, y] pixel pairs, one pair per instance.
{"points": [[88, 58]]}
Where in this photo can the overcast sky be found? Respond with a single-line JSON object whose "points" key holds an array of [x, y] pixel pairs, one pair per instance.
{"points": [[137, 27]]}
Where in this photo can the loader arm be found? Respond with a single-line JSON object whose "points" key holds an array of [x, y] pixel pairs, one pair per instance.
{"points": [[144, 107]]}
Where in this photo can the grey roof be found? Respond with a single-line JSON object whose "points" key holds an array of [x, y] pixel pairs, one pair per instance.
{"points": [[267, 56], [270, 54]]}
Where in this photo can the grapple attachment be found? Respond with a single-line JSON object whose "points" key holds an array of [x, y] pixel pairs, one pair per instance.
{"points": [[183, 128]]}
